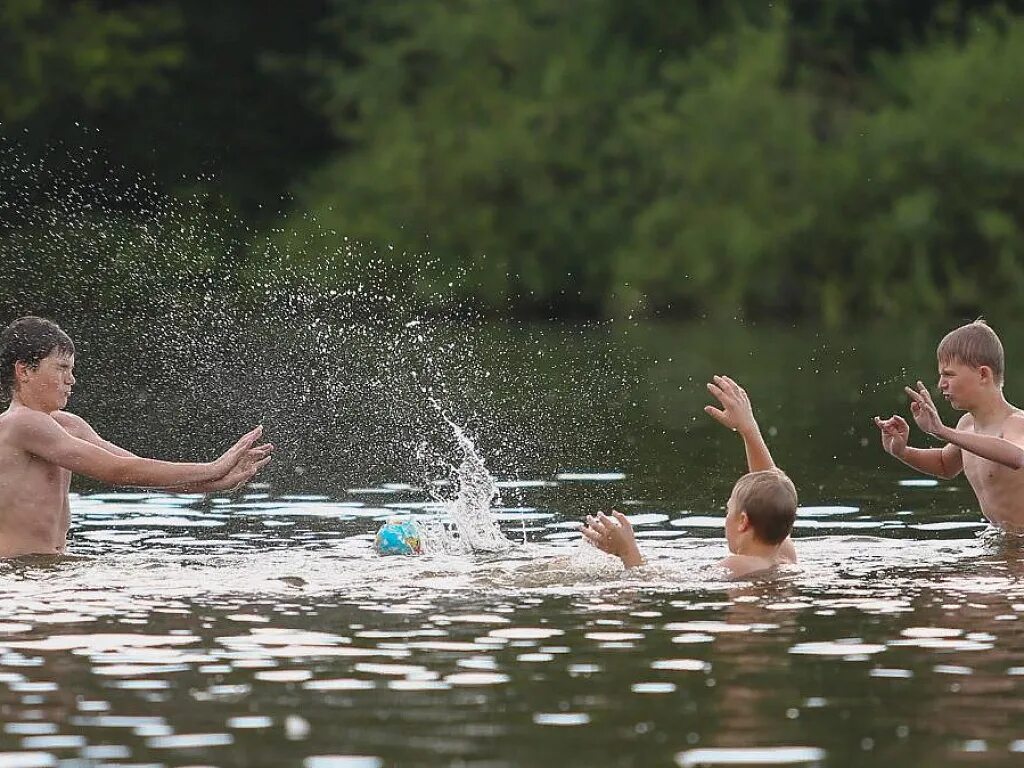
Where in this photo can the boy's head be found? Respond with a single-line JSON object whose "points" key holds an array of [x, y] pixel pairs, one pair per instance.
{"points": [[762, 506], [36, 351], [969, 357]]}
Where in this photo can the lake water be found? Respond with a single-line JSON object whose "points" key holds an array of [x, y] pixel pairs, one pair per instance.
{"points": [[259, 629]]}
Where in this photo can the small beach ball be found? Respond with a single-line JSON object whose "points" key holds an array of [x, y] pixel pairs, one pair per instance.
{"points": [[398, 537]]}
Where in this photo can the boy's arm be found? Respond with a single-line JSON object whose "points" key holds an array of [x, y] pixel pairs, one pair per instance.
{"points": [[40, 435], [244, 470], [738, 415], [614, 537], [1004, 450], [758, 456], [946, 462]]}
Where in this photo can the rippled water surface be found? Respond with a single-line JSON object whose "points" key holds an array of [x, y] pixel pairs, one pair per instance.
{"points": [[260, 629]]}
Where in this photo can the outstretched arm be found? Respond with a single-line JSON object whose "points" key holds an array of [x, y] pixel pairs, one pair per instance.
{"points": [[249, 463], [738, 415], [1004, 450], [40, 435]]}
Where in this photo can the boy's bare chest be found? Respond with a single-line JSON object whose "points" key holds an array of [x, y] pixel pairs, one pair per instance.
{"points": [[989, 478]]}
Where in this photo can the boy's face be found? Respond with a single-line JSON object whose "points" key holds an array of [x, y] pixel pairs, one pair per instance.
{"points": [[959, 383], [49, 384]]}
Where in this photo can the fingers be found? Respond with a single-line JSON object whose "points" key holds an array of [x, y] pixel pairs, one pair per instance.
{"points": [[592, 536], [623, 520], [925, 394], [246, 441], [919, 397], [715, 413], [717, 392], [601, 524], [740, 391], [597, 525], [723, 385], [605, 523], [900, 422]]}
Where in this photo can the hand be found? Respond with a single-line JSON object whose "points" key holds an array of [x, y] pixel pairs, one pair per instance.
{"points": [[895, 434], [736, 413], [251, 462], [614, 536], [923, 409], [227, 460]]}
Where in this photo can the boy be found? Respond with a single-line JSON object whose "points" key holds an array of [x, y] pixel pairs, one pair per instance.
{"points": [[41, 445], [760, 512], [987, 441]]}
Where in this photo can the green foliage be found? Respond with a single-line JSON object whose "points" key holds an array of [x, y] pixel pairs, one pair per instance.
{"points": [[572, 167], [53, 52], [834, 159]]}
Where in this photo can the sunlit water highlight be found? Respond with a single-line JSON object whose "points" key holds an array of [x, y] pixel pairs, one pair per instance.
{"points": [[196, 629]]}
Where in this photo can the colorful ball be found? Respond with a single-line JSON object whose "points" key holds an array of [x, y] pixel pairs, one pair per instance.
{"points": [[398, 537]]}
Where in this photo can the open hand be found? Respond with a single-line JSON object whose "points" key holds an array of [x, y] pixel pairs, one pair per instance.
{"points": [[736, 412], [613, 535], [251, 462], [923, 409], [227, 460], [895, 434]]}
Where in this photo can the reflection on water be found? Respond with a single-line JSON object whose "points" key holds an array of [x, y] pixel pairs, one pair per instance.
{"points": [[262, 630]]}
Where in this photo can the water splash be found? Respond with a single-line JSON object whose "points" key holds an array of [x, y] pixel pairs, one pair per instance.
{"points": [[477, 490]]}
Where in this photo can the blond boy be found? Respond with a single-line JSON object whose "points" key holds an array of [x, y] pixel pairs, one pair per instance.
{"points": [[987, 443], [760, 512]]}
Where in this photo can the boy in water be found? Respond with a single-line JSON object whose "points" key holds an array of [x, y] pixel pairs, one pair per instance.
{"points": [[41, 445], [987, 443], [760, 512]]}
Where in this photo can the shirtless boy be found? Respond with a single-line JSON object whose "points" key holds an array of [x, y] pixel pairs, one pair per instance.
{"points": [[761, 508], [41, 445], [987, 443]]}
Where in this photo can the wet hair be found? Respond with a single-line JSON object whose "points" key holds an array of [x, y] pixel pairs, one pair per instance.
{"points": [[29, 340], [769, 499], [975, 345]]}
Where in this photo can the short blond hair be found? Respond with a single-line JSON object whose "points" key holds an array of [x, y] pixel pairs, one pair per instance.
{"points": [[975, 345], [769, 499]]}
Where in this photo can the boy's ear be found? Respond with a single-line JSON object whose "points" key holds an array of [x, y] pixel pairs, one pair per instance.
{"points": [[743, 521], [986, 373], [20, 369]]}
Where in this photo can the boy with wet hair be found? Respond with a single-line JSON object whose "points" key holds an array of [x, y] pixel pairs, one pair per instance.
{"points": [[41, 445], [760, 512], [987, 443]]}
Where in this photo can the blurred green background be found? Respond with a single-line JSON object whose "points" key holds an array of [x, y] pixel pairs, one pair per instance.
{"points": [[819, 160]]}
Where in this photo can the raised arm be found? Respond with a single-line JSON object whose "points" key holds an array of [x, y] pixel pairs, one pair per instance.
{"points": [[946, 462], [40, 435], [738, 415], [1005, 450]]}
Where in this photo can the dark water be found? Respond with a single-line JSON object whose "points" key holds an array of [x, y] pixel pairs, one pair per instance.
{"points": [[260, 629]]}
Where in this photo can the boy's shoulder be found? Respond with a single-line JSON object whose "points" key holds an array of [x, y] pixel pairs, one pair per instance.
{"points": [[16, 424], [1014, 423], [744, 565], [69, 421], [965, 422]]}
